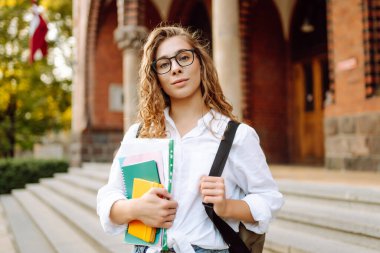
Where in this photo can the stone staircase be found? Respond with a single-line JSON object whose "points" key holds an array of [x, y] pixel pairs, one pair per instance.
{"points": [[326, 218], [59, 215]]}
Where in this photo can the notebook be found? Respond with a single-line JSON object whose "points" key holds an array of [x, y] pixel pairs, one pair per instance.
{"points": [[146, 170], [137, 228], [138, 158], [143, 170], [152, 160]]}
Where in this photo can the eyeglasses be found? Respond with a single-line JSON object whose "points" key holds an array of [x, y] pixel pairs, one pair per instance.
{"points": [[183, 58]]}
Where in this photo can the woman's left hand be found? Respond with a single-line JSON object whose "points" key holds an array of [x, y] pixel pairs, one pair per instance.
{"points": [[213, 191]]}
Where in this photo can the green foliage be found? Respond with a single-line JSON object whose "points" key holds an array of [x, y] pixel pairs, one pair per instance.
{"points": [[34, 98], [15, 173]]}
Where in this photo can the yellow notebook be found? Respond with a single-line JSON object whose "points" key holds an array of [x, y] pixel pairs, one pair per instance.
{"points": [[137, 228]]}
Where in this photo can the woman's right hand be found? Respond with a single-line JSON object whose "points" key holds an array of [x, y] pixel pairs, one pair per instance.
{"points": [[156, 208]]}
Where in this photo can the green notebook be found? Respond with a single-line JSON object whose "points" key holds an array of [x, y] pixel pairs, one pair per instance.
{"points": [[145, 170], [148, 171]]}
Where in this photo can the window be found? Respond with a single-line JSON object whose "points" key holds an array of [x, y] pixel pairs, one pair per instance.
{"points": [[371, 21], [115, 97]]}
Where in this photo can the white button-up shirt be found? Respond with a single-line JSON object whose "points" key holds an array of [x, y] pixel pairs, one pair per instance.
{"points": [[246, 176]]}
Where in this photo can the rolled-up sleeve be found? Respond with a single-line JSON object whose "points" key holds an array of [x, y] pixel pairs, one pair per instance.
{"points": [[106, 198], [251, 173], [113, 191]]}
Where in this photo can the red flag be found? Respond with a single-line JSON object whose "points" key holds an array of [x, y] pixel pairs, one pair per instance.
{"points": [[38, 31]]}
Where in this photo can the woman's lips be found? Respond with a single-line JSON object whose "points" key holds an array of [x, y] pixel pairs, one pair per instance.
{"points": [[179, 82]]}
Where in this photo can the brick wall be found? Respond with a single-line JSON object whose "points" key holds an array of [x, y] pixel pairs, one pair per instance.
{"points": [[264, 65], [347, 34], [352, 123], [108, 70], [100, 146], [245, 9]]}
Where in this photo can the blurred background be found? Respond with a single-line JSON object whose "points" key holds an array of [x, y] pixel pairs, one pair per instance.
{"points": [[304, 73]]}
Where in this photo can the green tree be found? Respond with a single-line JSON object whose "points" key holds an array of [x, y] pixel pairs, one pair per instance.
{"points": [[34, 98]]}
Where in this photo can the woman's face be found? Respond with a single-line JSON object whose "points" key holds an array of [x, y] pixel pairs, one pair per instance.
{"points": [[180, 82]]}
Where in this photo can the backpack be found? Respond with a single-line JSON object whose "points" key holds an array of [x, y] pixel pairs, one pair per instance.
{"points": [[245, 241]]}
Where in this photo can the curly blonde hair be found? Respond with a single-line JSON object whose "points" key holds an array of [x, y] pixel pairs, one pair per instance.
{"points": [[153, 100]]}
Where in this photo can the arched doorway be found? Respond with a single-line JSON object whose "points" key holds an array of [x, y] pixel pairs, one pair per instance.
{"points": [[266, 91], [309, 65], [151, 15], [193, 14], [107, 72]]}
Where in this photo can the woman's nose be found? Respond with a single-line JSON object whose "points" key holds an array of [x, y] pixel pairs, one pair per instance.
{"points": [[175, 66]]}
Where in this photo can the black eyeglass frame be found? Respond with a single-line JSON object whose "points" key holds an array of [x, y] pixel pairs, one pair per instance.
{"points": [[153, 65]]}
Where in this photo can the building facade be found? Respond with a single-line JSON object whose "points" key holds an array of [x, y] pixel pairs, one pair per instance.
{"points": [[304, 73]]}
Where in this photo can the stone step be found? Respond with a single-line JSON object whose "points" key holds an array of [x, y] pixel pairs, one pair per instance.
{"points": [[97, 166], [335, 203], [335, 192], [366, 242], [83, 219], [335, 214], [64, 237], [83, 197], [27, 236], [364, 225], [283, 239], [89, 173], [88, 184], [7, 242]]}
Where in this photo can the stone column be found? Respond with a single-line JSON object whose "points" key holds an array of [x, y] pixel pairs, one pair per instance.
{"points": [[79, 114], [129, 39], [226, 50]]}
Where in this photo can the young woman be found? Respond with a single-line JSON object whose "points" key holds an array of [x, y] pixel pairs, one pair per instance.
{"points": [[181, 98]]}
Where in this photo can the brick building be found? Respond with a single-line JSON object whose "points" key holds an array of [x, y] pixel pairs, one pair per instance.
{"points": [[304, 73]]}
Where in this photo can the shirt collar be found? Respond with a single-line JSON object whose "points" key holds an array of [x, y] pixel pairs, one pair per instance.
{"points": [[203, 122]]}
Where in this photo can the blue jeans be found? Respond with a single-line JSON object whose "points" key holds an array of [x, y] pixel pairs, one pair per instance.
{"points": [[142, 249]]}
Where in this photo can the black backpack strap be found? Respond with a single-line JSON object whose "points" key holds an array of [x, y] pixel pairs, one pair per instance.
{"points": [[224, 149], [138, 131], [229, 235]]}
